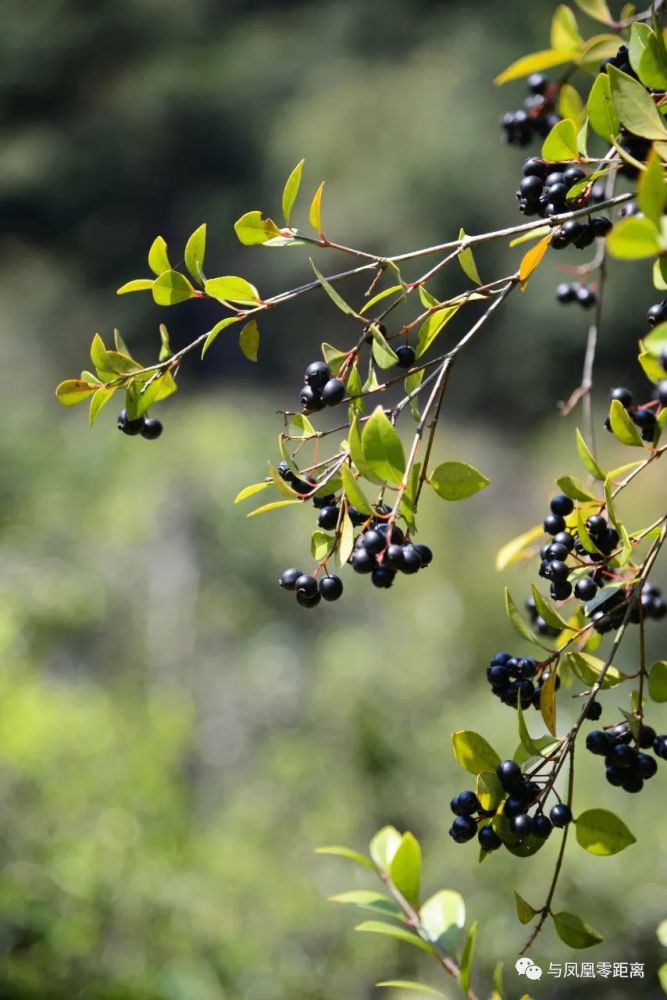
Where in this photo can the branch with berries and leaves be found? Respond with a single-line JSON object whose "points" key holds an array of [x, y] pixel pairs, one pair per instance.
{"points": [[598, 183]]}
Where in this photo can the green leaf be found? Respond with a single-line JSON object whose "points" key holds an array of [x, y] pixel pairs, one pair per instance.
{"points": [[171, 288], [382, 447], [582, 531], [368, 899], [99, 401], [473, 752], [467, 262], [333, 357], [657, 681], [345, 852], [249, 340], [384, 355], [301, 425], [622, 425], [405, 868], [406, 984], [634, 238], [535, 63], [137, 285], [465, 965], [601, 832], [291, 190], [74, 390], [160, 388], [231, 288], [601, 111], [634, 106], [561, 143], [384, 845], [531, 746], [647, 56], [253, 228], [320, 544], [516, 620], [381, 295], [158, 259], [524, 910], [432, 326], [574, 931], [588, 668], [272, 506], [651, 189], [596, 9], [489, 790], [165, 346], [548, 700], [337, 299], [546, 609], [214, 331], [564, 30], [570, 104], [315, 211], [354, 492], [249, 491], [574, 488], [346, 543], [357, 453], [195, 250], [518, 548], [586, 456], [391, 930], [443, 917], [655, 342], [457, 480]]}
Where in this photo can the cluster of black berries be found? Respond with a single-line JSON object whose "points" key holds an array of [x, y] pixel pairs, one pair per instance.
{"points": [[537, 117], [383, 554], [621, 61], [517, 679], [308, 591], [626, 766], [644, 418], [148, 427], [574, 292], [554, 554], [320, 388], [521, 795], [580, 234], [543, 187]]}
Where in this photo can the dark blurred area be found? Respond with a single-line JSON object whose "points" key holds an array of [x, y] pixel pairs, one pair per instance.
{"points": [[176, 737]]}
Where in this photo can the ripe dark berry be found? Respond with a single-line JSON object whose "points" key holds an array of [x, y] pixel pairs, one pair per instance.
{"points": [[130, 427], [586, 297], [310, 400], [465, 804], [598, 742], [566, 293], [411, 559], [328, 518], [573, 175], [660, 746], [510, 775], [527, 667], [356, 516], [622, 755], [560, 814], [558, 570], [623, 395], [645, 420], [531, 187], [564, 539], [615, 775], [394, 556], [362, 561], [601, 225], [425, 554], [285, 472], [405, 355], [289, 577], [373, 541], [645, 765], [593, 711], [555, 551], [657, 313], [646, 736], [331, 588], [333, 392], [632, 783], [152, 429], [463, 829], [560, 590], [572, 230], [489, 839], [595, 525], [521, 825], [537, 83], [585, 589], [561, 504], [308, 600], [317, 374], [553, 523], [306, 585], [661, 391], [383, 576], [514, 805], [542, 826]]}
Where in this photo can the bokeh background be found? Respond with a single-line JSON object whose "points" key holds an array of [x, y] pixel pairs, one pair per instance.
{"points": [[176, 736]]}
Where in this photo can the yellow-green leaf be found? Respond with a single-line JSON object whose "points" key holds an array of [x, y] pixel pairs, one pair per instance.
{"points": [[249, 340], [171, 288], [195, 250], [252, 228], [136, 285], [158, 259], [291, 190], [315, 212], [535, 63]]}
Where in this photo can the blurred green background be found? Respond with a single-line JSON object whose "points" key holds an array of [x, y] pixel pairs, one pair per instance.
{"points": [[176, 736]]}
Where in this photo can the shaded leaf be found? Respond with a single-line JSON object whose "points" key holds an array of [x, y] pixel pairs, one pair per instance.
{"points": [[622, 425], [99, 401], [345, 852], [597, 9], [574, 931], [405, 868], [337, 299], [249, 340], [601, 111], [488, 789], [443, 917], [524, 910], [353, 491], [382, 447], [516, 620], [548, 700], [400, 933], [588, 668], [368, 899], [457, 480], [657, 681], [602, 832], [651, 189], [574, 488], [465, 965], [432, 326]]}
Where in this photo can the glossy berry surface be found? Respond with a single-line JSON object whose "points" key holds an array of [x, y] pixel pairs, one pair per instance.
{"points": [[152, 429], [331, 588], [333, 392], [560, 814], [405, 355]]}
